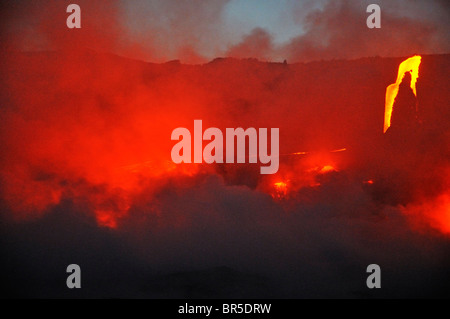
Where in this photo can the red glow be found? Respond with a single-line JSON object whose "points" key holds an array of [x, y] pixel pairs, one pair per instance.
{"points": [[94, 130], [106, 218], [327, 169], [280, 190], [434, 213], [409, 65], [339, 150], [300, 153]]}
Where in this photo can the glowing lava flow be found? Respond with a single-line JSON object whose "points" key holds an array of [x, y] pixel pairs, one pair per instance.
{"points": [[299, 153], [339, 150], [281, 190], [327, 169], [409, 65]]}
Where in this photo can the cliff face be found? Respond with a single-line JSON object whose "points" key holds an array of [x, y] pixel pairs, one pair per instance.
{"points": [[404, 115]]}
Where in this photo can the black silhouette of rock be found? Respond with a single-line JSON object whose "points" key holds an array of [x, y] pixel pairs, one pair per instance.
{"points": [[404, 114]]}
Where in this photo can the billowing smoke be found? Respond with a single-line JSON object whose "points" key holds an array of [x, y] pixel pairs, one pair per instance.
{"points": [[86, 174], [86, 151], [337, 31], [195, 32], [257, 44]]}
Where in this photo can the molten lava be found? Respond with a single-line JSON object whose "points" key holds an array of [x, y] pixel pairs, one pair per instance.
{"points": [[280, 189], [409, 65], [327, 169], [300, 153], [339, 150]]}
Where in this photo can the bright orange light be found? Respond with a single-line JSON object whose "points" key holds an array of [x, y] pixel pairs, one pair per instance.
{"points": [[280, 186], [339, 150], [106, 218], [370, 182], [409, 65], [300, 153], [327, 169], [440, 214], [281, 189]]}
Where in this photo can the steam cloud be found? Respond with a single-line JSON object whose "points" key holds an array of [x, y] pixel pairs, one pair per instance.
{"points": [[198, 32]]}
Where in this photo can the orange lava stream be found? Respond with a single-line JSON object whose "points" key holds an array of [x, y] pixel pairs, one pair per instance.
{"points": [[409, 65]]}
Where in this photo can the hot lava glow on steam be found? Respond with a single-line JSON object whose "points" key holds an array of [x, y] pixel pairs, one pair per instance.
{"points": [[104, 147], [409, 65], [280, 190], [87, 175]]}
